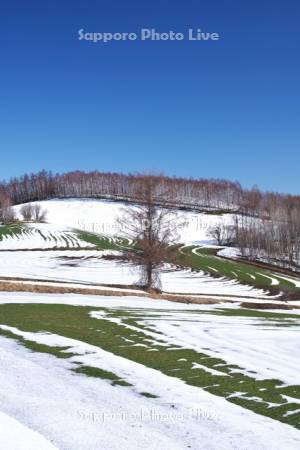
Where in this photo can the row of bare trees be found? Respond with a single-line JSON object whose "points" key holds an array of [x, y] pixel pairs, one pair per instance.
{"points": [[275, 240], [194, 193], [219, 194]]}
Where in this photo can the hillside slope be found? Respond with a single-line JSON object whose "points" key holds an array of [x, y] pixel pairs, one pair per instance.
{"points": [[99, 216]]}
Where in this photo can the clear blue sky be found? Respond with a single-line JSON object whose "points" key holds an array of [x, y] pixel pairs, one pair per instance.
{"points": [[225, 109]]}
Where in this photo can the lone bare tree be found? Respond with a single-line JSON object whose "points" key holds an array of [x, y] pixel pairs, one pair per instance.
{"points": [[153, 229], [38, 213], [222, 233], [27, 211]]}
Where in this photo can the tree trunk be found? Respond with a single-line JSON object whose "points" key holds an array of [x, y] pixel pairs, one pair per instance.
{"points": [[149, 281]]}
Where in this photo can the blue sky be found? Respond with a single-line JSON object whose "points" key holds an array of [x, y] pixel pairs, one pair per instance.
{"points": [[225, 109]]}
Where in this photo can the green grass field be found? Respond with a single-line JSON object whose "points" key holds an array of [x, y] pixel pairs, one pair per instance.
{"points": [[102, 242], [11, 230], [206, 260]]}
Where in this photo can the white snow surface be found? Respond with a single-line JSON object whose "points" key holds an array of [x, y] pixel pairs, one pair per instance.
{"points": [[75, 412], [15, 436], [100, 216], [229, 252]]}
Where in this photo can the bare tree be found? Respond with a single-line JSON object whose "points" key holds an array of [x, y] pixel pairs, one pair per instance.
{"points": [[38, 213], [153, 230], [222, 233], [27, 211]]}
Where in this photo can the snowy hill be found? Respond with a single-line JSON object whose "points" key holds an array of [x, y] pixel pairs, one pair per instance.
{"points": [[99, 216]]}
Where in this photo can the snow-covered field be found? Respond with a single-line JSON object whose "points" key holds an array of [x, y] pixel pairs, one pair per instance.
{"points": [[99, 216], [233, 337], [78, 413], [16, 436], [74, 412], [42, 236], [87, 266]]}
